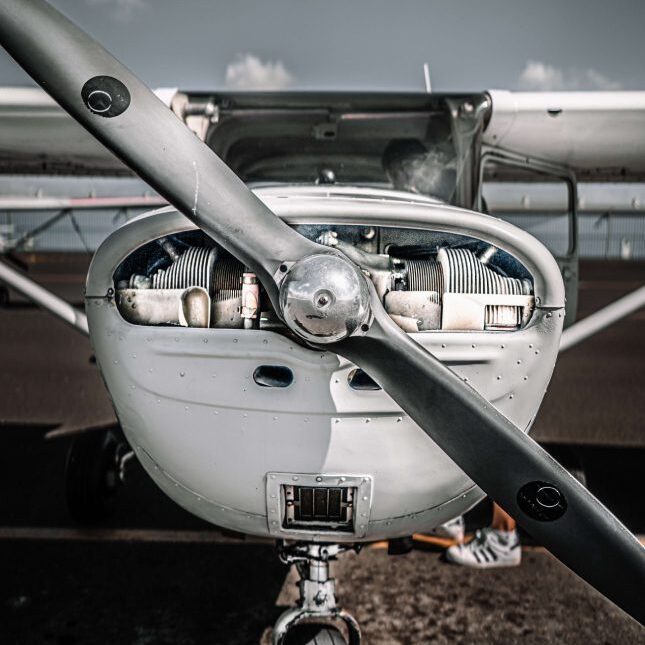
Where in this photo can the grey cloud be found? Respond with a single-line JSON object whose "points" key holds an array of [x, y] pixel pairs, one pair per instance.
{"points": [[539, 76], [248, 72]]}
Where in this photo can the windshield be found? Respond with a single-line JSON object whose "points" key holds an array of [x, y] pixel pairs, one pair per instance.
{"points": [[407, 142]]}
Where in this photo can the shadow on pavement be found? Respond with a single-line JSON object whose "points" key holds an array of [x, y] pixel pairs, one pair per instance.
{"points": [[141, 593]]}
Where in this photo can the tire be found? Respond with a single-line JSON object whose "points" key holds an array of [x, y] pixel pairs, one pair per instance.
{"points": [[314, 634], [91, 476]]}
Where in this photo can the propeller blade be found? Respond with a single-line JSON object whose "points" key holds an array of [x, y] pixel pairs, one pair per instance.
{"points": [[127, 117], [506, 463]]}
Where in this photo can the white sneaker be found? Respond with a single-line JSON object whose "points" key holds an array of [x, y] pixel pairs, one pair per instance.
{"points": [[452, 530], [489, 548]]}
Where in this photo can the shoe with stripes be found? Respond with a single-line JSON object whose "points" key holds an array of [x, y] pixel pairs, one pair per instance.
{"points": [[488, 549]]}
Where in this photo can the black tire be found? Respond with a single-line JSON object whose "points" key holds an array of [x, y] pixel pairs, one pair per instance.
{"points": [[4, 297], [91, 476], [314, 634]]}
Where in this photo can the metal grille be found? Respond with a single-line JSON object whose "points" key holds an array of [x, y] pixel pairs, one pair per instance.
{"points": [[318, 507]]}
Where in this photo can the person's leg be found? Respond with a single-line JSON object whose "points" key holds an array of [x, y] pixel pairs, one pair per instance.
{"points": [[502, 521]]}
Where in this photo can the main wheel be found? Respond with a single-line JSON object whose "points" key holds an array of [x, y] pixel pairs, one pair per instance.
{"points": [[92, 476], [314, 634]]}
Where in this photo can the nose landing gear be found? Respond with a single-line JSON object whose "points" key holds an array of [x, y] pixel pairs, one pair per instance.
{"points": [[317, 599]]}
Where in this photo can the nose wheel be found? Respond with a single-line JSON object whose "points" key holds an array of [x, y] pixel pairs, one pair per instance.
{"points": [[317, 600]]}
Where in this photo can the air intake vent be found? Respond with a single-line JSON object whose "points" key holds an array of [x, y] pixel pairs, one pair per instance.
{"points": [[319, 507], [329, 504]]}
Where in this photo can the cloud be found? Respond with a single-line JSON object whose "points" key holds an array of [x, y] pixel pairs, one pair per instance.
{"points": [[541, 77], [248, 72], [124, 10]]}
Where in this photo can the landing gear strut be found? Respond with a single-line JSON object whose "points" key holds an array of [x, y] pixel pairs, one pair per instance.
{"points": [[317, 598]]}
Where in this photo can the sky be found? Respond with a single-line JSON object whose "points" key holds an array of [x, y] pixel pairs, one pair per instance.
{"points": [[470, 45]]}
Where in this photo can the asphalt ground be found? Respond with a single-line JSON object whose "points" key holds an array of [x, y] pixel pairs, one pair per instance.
{"points": [[152, 573], [94, 592]]}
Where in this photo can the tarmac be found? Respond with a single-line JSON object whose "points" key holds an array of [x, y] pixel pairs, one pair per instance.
{"points": [[140, 593], [153, 574]]}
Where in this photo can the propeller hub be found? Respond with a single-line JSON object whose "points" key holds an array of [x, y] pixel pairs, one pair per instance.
{"points": [[324, 298]]}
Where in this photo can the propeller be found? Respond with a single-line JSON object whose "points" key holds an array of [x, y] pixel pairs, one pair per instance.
{"points": [[325, 299]]}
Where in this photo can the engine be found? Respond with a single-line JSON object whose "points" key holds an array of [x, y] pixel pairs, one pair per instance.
{"points": [[425, 283]]}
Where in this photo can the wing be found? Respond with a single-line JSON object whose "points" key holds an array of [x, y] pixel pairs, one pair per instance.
{"points": [[597, 134], [38, 136]]}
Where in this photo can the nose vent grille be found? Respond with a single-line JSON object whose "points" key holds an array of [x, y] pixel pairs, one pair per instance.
{"points": [[319, 508]]}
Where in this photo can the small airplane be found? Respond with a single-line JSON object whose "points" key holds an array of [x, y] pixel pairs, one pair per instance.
{"points": [[328, 365]]}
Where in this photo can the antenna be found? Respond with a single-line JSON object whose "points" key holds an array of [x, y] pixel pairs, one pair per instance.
{"points": [[426, 76]]}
